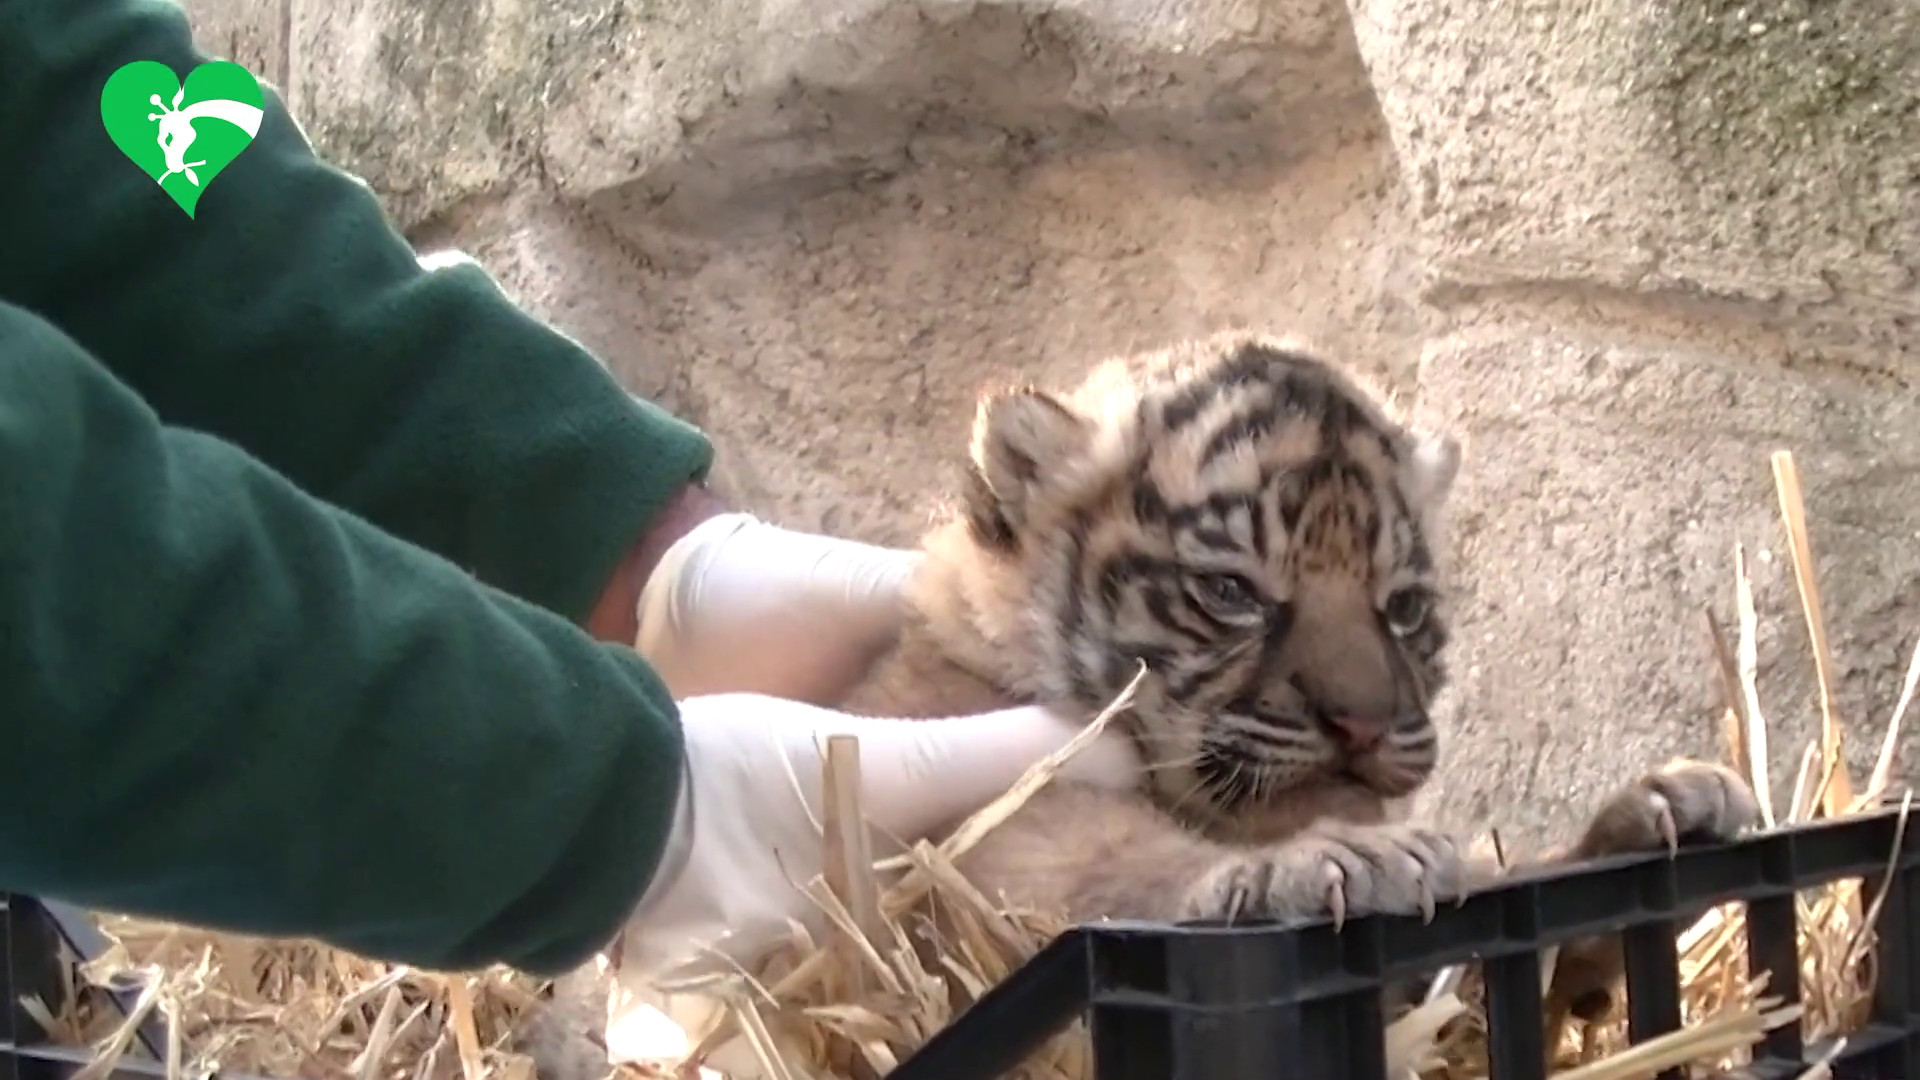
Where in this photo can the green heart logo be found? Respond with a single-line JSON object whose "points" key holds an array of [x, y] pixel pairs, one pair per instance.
{"points": [[182, 136]]}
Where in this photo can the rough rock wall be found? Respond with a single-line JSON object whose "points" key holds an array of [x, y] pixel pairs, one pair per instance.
{"points": [[1627, 248]]}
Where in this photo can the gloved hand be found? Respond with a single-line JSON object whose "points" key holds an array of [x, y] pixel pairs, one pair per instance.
{"points": [[745, 842], [738, 605], [752, 626]]}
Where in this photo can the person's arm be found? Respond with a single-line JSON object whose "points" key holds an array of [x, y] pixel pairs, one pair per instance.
{"points": [[229, 704], [289, 318]]}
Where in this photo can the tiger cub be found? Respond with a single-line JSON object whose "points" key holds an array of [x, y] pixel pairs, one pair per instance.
{"points": [[1250, 523]]}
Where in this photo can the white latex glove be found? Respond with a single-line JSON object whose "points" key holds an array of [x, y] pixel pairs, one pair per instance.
{"points": [[738, 605], [744, 843], [747, 623]]}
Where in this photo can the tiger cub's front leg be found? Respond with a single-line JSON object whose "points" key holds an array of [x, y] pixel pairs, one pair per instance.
{"points": [[1091, 853], [1686, 801]]}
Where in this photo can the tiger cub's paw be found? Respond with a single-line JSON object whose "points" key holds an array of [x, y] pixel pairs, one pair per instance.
{"points": [[1688, 801]]}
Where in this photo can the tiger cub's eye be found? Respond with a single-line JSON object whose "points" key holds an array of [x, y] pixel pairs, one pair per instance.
{"points": [[1407, 610], [1228, 593]]}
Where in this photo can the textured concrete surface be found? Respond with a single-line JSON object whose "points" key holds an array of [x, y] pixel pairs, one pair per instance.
{"points": [[1628, 249]]}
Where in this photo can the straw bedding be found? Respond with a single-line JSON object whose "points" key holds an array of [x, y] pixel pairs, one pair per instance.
{"points": [[913, 944]]}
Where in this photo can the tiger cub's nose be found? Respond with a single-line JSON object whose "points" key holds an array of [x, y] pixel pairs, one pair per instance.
{"points": [[1358, 734]]}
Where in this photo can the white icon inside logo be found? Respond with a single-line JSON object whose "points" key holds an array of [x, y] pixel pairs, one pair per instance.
{"points": [[176, 132]]}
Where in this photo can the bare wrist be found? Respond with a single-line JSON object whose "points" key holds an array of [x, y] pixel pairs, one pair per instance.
{"points": [[616, 617]]}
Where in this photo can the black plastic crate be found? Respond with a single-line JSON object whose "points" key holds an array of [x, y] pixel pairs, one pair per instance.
{"points": [[1303, 1001], [41, 942]]}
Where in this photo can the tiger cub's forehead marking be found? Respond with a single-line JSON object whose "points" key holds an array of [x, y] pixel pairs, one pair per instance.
{"points": [[1257, 414], [1266, 445], [1279, 407], [1336, 514]]}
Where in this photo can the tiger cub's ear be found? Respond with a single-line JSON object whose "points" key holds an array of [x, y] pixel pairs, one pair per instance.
{"points": [[1432, 464], [1023, 441]]}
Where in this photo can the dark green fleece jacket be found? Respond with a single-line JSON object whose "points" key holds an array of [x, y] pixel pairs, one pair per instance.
{"points": [[295, 538]]}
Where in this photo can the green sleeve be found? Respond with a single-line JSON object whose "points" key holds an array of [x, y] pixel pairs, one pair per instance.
{"points": [[289, 318], [230, 704]]}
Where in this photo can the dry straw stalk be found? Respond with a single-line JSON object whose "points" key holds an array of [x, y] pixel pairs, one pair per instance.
{"points": [[913, 944]]}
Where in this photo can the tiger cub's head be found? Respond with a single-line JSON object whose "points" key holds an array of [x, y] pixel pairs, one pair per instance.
{"points": [[1250, 523]]}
